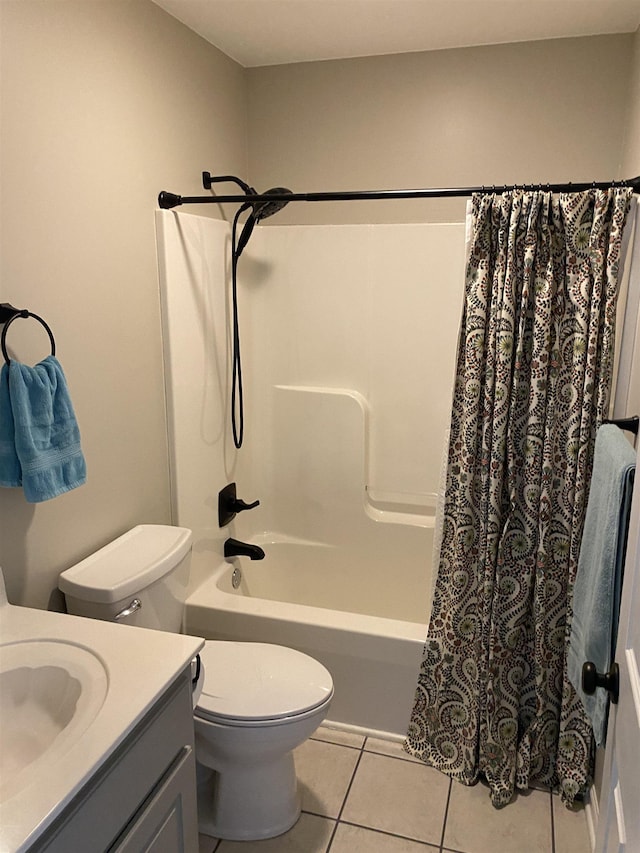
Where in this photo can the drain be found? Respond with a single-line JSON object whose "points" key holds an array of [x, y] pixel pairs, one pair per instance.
{"points": [[236, 578]]}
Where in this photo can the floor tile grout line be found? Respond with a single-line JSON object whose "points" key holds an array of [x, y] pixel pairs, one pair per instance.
{"points": [[429, 844], [371, 751], [364, 748], [446, 815], [344, 800], [553, 828], [396, 757], [317, 814]]}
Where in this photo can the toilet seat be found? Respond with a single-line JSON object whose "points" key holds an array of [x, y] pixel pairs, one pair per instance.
{"points": [[259, 684]]}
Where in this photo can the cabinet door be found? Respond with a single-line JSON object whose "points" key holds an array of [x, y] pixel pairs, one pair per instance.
{"points": [[114, 797], [167, 821]]}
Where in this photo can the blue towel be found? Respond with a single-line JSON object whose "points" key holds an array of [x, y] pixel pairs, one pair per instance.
{"points": [[596, 595], [10, 471], [46, 434]]}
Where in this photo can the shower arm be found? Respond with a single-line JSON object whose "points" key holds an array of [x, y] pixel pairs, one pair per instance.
{"points": [[208, 179], [167, 200]]}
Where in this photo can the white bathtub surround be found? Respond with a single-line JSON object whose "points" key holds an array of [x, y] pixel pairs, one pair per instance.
{"points": [[348, 341], [194, 266], [371, 310], [377, 562]]}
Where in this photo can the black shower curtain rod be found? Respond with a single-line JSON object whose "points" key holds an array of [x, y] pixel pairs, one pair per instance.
{"points": [[167, 200]]}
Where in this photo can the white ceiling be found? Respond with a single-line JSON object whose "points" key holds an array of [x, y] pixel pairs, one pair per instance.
{"points": [[273, 32]]}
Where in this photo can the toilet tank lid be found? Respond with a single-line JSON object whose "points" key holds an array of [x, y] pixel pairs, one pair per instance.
{"points": [[127, 565]]}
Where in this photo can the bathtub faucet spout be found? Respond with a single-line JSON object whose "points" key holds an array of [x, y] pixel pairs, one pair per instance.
{"points": [[235, 548]]}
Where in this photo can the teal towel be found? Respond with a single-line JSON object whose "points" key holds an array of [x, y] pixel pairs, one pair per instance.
{"points": [[596, 595], [10, 471], [47, 438]]}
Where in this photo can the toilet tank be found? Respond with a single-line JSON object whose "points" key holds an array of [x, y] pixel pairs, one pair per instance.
{"points": [[139, 579]]}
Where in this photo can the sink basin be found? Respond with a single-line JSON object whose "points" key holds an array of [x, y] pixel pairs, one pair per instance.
{"points": [[50, 693]]}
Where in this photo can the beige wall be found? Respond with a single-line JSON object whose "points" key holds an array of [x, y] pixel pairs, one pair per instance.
{"points": [[630, 165], [538, 111], [103, 105]]}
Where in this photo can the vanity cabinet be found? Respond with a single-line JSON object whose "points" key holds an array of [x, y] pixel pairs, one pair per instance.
{"points": [[143, 798]]}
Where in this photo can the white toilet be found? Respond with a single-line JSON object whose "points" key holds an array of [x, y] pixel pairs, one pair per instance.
{"points": [[257, 702]]}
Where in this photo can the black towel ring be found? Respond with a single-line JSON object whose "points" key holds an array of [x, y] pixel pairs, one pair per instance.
{"points": [[25, 314]]}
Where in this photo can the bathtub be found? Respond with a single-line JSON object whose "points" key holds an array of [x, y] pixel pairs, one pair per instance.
{"points": [[310, 596]]}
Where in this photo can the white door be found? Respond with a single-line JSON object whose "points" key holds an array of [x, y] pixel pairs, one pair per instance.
{"points": [[619, 820]]}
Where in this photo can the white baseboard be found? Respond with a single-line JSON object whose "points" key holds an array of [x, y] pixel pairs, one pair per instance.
{"points": [[592, 812], [361, 730]]}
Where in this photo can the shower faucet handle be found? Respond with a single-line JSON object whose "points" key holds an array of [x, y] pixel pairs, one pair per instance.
{"points": [[229, 504], [240, 505]]}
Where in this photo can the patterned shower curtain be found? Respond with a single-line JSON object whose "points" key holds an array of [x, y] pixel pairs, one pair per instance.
{"points": [[532, 383]]}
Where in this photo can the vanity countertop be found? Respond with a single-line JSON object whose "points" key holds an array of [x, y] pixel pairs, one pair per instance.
{"points": [[136, 666]]}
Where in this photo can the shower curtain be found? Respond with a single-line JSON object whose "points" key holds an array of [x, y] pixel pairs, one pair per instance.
{"points": [[532, 383]]}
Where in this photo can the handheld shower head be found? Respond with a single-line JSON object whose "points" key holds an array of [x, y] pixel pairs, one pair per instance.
{"points": [[260, 210]]}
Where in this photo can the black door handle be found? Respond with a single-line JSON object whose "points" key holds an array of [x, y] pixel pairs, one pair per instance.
{"points": [[591, 679]]}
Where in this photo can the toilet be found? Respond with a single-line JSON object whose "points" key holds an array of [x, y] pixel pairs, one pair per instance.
{"points": [[254, 703]]}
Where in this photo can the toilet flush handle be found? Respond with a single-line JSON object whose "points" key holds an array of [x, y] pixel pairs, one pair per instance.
{"points": [[136, 604]]}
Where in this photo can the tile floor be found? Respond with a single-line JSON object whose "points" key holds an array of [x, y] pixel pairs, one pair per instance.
{"points": [[365, 795]]}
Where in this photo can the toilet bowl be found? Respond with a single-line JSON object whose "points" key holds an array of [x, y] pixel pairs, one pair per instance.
{"points": [[256, 701]]}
